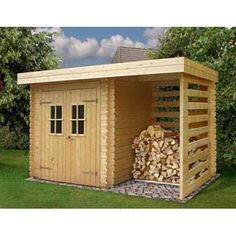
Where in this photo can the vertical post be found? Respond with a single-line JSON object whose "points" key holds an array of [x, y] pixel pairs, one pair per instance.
{"points": [[111, 133], [212, 127], [183, 132]]}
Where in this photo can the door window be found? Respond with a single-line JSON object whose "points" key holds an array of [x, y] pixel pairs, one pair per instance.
{"points": [[56, 119], [78, 119]]}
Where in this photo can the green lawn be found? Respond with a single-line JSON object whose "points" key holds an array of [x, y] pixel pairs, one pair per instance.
{"points": [[16, 192]]}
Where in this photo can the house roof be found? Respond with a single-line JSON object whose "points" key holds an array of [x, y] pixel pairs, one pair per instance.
{"points": [[126, 54], [138, 68]]}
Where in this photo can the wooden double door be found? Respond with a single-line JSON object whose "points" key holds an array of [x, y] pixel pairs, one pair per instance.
{"points": [[69, 136]]}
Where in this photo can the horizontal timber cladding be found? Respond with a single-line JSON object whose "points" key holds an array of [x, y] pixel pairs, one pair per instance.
{"points": [[197, 133], [132, 114], [165, 104]]}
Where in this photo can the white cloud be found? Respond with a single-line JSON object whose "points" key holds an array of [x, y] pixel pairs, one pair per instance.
{"points": [[108, 46], [71, 47], [74, 48], [152, 35], [68, 47]]}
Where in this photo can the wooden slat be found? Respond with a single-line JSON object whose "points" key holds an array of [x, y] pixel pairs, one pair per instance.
{"points": [[197, 131], [166, 104], [166, 114], [166, 83], [196, 184], [197, 93], [197, 118], [197, 105], [165, 94], [196, 80], [198, 156], [168, 124], [194, 171], [198, 143]]}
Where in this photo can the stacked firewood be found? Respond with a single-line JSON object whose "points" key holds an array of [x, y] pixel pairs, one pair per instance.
{"points": [[156, 155]]}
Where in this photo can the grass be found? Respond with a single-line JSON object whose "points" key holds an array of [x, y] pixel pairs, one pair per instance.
{"points": [[16, 192]]}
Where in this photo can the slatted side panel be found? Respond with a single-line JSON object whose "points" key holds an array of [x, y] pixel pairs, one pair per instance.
{"points": [[197, 153], [132, 115], [165, 104]]}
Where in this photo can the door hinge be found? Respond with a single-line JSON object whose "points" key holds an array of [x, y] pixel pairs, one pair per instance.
{"points": [[45, 102], [45, 168], [92, 100], [90, 173]]}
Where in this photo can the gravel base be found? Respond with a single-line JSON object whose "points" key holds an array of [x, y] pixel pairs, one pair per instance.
{"points": [[141, 189]]}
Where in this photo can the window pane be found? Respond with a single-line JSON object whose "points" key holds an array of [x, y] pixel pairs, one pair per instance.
{"points": [[52, 127], [52, 112], [81, 126], [58, 126], [81, 111], [74, 127], [73, 111], [59, 112]]}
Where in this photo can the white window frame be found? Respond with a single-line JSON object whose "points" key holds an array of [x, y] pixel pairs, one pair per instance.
{"points": [[56, 119], [78, 119]]}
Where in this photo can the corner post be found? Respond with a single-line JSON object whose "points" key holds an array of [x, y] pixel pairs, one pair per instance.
{"points": [[212, 127], [183, 132]]}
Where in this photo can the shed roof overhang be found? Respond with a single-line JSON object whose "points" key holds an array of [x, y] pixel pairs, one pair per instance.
{"points": [[158, 67]]}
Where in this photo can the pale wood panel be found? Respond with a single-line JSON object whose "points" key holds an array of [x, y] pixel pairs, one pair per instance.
{"points": [[190, 188], [168, 124], [212, 127], [104, 133], [132, 115], [166, 114], [198, 156], [183, 129], [157, 84], [35, 132], [148, 67], [197, 131], [197, 118], [198, 143], [160, 66], [165, 93], [200, 126], [165, 104], [111, 133], [197, 93], [71, 158], [197, 105], [197, 80], [201, 166]]}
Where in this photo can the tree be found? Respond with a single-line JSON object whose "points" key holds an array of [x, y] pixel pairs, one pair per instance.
{"points": [[215, 48], [21, 50]]}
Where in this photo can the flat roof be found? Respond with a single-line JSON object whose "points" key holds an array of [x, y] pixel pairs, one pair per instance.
{"points": [[137, 68]]}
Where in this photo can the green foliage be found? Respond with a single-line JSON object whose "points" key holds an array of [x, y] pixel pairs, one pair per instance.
{"points": [[13, 139], [21, 50], [215, 48]]}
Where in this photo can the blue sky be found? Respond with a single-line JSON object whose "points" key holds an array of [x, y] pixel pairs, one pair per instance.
{"points": [[81, 46]]}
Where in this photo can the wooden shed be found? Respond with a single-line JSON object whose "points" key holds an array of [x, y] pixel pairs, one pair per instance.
{"points": [[83, 120]]}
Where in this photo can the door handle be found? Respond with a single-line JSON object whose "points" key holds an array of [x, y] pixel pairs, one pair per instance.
{"points": [[69, 137]]}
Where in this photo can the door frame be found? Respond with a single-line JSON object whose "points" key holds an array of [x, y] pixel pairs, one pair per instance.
{"points": [[75, 86]]}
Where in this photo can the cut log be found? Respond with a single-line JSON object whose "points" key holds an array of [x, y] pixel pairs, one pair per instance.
{"points": [[156, 155]]}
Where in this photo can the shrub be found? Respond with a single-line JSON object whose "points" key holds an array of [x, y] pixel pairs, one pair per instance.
{"points": [[13, 139]]}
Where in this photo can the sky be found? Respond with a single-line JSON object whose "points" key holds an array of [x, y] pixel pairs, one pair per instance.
{"points": [[82, 46]]}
